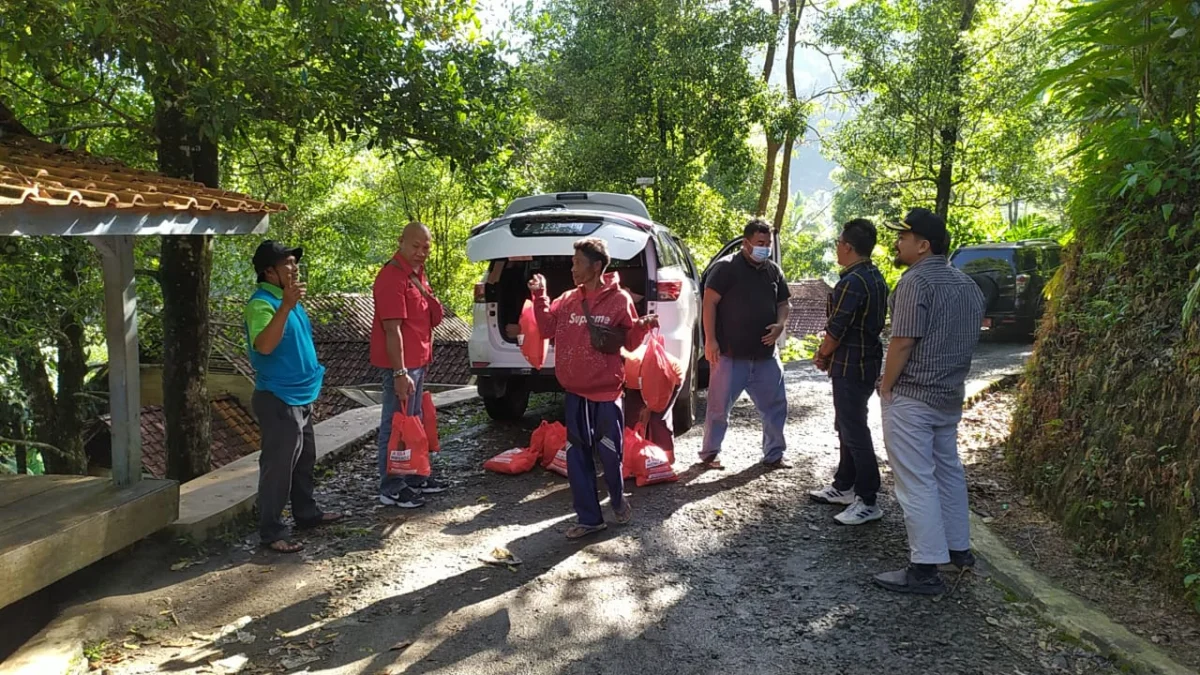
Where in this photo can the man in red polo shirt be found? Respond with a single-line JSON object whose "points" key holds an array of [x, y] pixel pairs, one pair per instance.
{"points": [[402, 344]]}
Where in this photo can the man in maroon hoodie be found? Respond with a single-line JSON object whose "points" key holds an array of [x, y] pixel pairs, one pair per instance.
{"points": [[592, 372]]}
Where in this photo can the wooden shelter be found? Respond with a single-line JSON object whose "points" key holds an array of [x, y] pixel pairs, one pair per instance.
{"points": [[51, 526]]}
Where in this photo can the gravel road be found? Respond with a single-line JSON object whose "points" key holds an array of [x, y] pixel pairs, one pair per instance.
{"points": [[721, 572]]}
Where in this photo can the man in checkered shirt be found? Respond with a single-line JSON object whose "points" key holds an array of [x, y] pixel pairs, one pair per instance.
{"points": [[936, 316]]}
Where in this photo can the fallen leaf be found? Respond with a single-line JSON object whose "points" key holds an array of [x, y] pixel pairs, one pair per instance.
{"points": [[992, 621], [181, 565], [483, 499], [400, 646], [128, 645], [719, 512], [291, 662], [512, 569]]}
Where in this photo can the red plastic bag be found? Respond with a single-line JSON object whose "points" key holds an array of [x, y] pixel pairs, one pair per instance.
{"points": [[517, 460], [558, 463], [408, 449], [429, 417], [533, 345], [553, 440], [652, 465], [660, 375], [632, 442], [633, 366]]}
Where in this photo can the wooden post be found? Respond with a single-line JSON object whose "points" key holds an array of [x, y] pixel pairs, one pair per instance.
{"points": [[120, 333]]}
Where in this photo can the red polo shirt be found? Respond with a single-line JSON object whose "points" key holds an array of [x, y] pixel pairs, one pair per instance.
{"points": [[397, 297]]}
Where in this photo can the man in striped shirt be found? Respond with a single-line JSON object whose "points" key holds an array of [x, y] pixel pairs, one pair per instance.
{"points": [[852, 355], [936, 314]]}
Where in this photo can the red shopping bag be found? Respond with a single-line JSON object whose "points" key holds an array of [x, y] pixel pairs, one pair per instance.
{"points": [[652, 465], [553, 440], [515, 461], [633, 365], [632, 442], [429, 417], [408, 449], [533, 345], [660, 375], [558, 463]]}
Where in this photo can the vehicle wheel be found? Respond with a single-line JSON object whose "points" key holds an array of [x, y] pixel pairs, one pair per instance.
{"points": [[683, 415], [511, 406]]}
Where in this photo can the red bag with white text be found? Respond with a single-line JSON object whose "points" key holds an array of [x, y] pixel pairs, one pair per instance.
{"points": [[660, 375], [533, 345], [429, 417], [408, 449], [558, 464], [515, 461], [652, 465], [553, 440]]}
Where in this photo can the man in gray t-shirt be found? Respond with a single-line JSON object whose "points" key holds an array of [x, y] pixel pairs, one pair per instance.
{"points": [[936, 315]]}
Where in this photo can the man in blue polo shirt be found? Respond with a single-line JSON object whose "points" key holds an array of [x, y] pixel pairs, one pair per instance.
{"points": [[287, 380]]}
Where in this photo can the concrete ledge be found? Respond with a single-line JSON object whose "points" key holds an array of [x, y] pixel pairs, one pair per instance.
{"points": [[977, 389], [212, 501], [1066, 610]]}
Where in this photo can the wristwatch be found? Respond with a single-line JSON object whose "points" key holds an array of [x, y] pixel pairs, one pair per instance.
{"points": [[397, 372]]}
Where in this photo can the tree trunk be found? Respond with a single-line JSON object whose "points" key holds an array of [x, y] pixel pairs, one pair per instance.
{"points": [[795, 9], [764, 193], [31, 369], [949, 132], [184, 273], [72, 368]]}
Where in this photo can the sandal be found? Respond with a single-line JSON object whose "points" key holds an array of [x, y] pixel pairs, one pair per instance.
{"points": [[626, 514], [284, 546], [325, 519], [581, 531]]}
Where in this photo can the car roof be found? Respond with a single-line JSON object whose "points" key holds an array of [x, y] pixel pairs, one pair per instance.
{"points": [[1001, 245], [611, 202], [625, 235]]}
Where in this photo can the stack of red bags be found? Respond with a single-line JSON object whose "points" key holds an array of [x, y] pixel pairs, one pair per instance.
{"points": [[645, 461]]}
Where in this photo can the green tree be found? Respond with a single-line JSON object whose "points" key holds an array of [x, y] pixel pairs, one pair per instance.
{"points": [[941, 119], [228, 73], [657, 88]]}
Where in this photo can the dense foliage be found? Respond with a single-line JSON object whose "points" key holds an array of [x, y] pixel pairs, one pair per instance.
{"points": [[1107, 433]]}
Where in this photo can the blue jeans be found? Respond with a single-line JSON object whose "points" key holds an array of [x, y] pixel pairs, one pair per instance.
{"points": [[391, 405], [763, 380]]}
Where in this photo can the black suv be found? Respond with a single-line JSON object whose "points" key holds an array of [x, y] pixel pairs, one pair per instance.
{"points": [[1013, 278]]}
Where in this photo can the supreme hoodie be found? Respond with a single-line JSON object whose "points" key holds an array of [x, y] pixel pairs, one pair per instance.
{"points": [[579, 367]]}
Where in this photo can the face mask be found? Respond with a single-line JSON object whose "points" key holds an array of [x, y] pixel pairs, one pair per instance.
{"points": [[761, 253]]}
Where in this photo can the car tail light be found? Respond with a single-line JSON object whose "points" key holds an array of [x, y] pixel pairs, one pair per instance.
{"points": [[669, 291], [480, 364], [1022, 282], [480, 294]]}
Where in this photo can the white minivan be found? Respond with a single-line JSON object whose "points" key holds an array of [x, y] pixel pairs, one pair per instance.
{"points": [[536, 235]]}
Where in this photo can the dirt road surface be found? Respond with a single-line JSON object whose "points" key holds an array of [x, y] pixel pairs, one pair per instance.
{"points": [[722, 572]]}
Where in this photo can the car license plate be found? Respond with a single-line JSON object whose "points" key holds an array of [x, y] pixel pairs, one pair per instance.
{"points": [[987, 323]]}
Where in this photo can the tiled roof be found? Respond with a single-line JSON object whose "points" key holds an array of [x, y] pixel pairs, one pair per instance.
{"points": [[235, 434], [36, 172], [347, 364], [806, 318], [330, 404], [451, 364], [348, 316], [815, 290]]}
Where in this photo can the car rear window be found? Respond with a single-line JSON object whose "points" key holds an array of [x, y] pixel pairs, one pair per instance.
{"points": [[982, 260]]}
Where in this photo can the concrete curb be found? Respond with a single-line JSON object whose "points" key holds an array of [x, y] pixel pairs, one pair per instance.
{"points": [[1066, 610], [1057, 605]]}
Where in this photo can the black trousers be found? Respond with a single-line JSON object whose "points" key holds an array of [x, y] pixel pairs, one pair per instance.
{"points": [[857, 467], [285, 465]]}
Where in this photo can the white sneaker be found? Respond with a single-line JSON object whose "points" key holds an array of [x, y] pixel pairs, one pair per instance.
{"points": [[859, 513], [831, 495]]}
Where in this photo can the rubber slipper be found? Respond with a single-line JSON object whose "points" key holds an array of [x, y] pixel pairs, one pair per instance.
{"points": [[284, 546], [581, 531], [626, 514]]}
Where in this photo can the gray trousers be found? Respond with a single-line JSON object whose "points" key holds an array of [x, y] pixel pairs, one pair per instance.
{"points": [[285, 465], [931, 486]]}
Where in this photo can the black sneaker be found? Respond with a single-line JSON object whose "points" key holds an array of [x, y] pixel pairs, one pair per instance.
{"points": [[432, 487], [912, 580], [406, 498], [959, 561]]}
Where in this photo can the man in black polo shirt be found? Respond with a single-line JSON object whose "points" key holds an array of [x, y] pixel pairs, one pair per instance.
{"points": [[745, 312], [852, 355]]}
